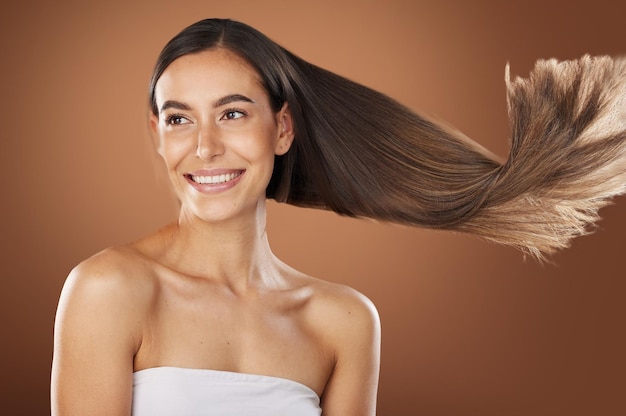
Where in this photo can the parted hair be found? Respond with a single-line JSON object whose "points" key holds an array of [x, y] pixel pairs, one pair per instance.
{"points": [[361, 153]]}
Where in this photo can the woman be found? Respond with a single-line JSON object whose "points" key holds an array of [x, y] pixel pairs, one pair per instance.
{"points": [[204, 305], [202, 318]]}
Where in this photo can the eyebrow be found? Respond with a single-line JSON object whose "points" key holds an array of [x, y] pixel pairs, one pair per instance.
{"points": [[174, 104], [231, 98]]}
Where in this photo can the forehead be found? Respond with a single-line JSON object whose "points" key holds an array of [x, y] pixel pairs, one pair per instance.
{"points": [[208, 74]]}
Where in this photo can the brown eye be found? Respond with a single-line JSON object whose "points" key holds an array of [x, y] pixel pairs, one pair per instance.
{"points": [[233, 115], [176, 119]]}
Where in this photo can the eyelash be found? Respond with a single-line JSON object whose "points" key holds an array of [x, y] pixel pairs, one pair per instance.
{"points": [[231, 111], [169, 120], [176, 119]]}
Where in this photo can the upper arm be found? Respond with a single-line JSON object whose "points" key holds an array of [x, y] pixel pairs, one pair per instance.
{"points": [[353, 385], [95, 338]]}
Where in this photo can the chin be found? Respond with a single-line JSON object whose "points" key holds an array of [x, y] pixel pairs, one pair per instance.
{"points": [[218, 212]]}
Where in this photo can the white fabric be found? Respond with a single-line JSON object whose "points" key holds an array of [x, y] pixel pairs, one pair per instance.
{"points": [[175, 391]]}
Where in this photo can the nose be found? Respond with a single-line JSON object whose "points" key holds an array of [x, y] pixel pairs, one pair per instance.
{"points": [[209, 144]]}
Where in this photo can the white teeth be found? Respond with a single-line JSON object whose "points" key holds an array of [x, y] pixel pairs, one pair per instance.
{"points": [[225, 177]]}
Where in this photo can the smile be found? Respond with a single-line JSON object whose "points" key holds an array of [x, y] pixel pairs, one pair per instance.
{"points": [[215, 179]]}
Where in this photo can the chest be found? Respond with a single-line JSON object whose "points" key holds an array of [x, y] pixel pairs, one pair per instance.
{"points": [[271, 335]]}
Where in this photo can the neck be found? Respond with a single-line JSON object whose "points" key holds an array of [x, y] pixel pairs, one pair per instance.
{"points": [[233, 252]]}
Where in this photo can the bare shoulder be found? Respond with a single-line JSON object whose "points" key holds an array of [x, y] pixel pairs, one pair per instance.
{"points": [[112, 274], [349, 325], [115, 282], [343, 312], [341, 300], [97, 331]]}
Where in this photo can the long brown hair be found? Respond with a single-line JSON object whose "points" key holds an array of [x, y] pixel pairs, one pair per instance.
{"points": [[361, 153]]}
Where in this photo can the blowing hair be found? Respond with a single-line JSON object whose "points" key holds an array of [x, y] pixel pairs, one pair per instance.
{"points": [[360, 153]]}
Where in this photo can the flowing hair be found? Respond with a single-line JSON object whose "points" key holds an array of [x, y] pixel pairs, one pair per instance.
{"points": [[360, 153]]}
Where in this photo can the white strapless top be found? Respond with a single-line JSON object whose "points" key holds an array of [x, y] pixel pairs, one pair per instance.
{"points": [[175, 391]]}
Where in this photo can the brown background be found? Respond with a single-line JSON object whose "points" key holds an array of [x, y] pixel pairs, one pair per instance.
{"points": [[468, 328]]}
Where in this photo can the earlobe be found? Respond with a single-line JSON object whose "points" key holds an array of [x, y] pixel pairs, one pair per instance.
{"points": [[286, 131]]}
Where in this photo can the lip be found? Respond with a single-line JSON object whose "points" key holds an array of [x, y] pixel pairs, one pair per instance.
{"points": [[213, 174]]}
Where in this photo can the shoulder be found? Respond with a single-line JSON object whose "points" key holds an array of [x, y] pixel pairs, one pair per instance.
{"points": [[349, 325], [112, 284], [344, 314], [344, 302], [118, 271], [97, 331]]}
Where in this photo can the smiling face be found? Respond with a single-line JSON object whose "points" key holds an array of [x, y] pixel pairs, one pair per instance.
{"points": [[217, 134]]}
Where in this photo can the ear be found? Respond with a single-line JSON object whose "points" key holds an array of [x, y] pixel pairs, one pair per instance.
{"points": [[286, 132], [153, 124]]}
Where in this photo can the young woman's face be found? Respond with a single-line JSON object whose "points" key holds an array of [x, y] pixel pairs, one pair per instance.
{"points": [[217, 133]]}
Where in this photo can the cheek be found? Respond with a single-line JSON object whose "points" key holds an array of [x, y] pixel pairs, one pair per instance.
{"points": [[262, 141], [172, 151], [257, 149]]}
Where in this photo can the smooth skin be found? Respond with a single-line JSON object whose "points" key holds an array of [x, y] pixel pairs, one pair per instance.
{"points": [[207, 292]]}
